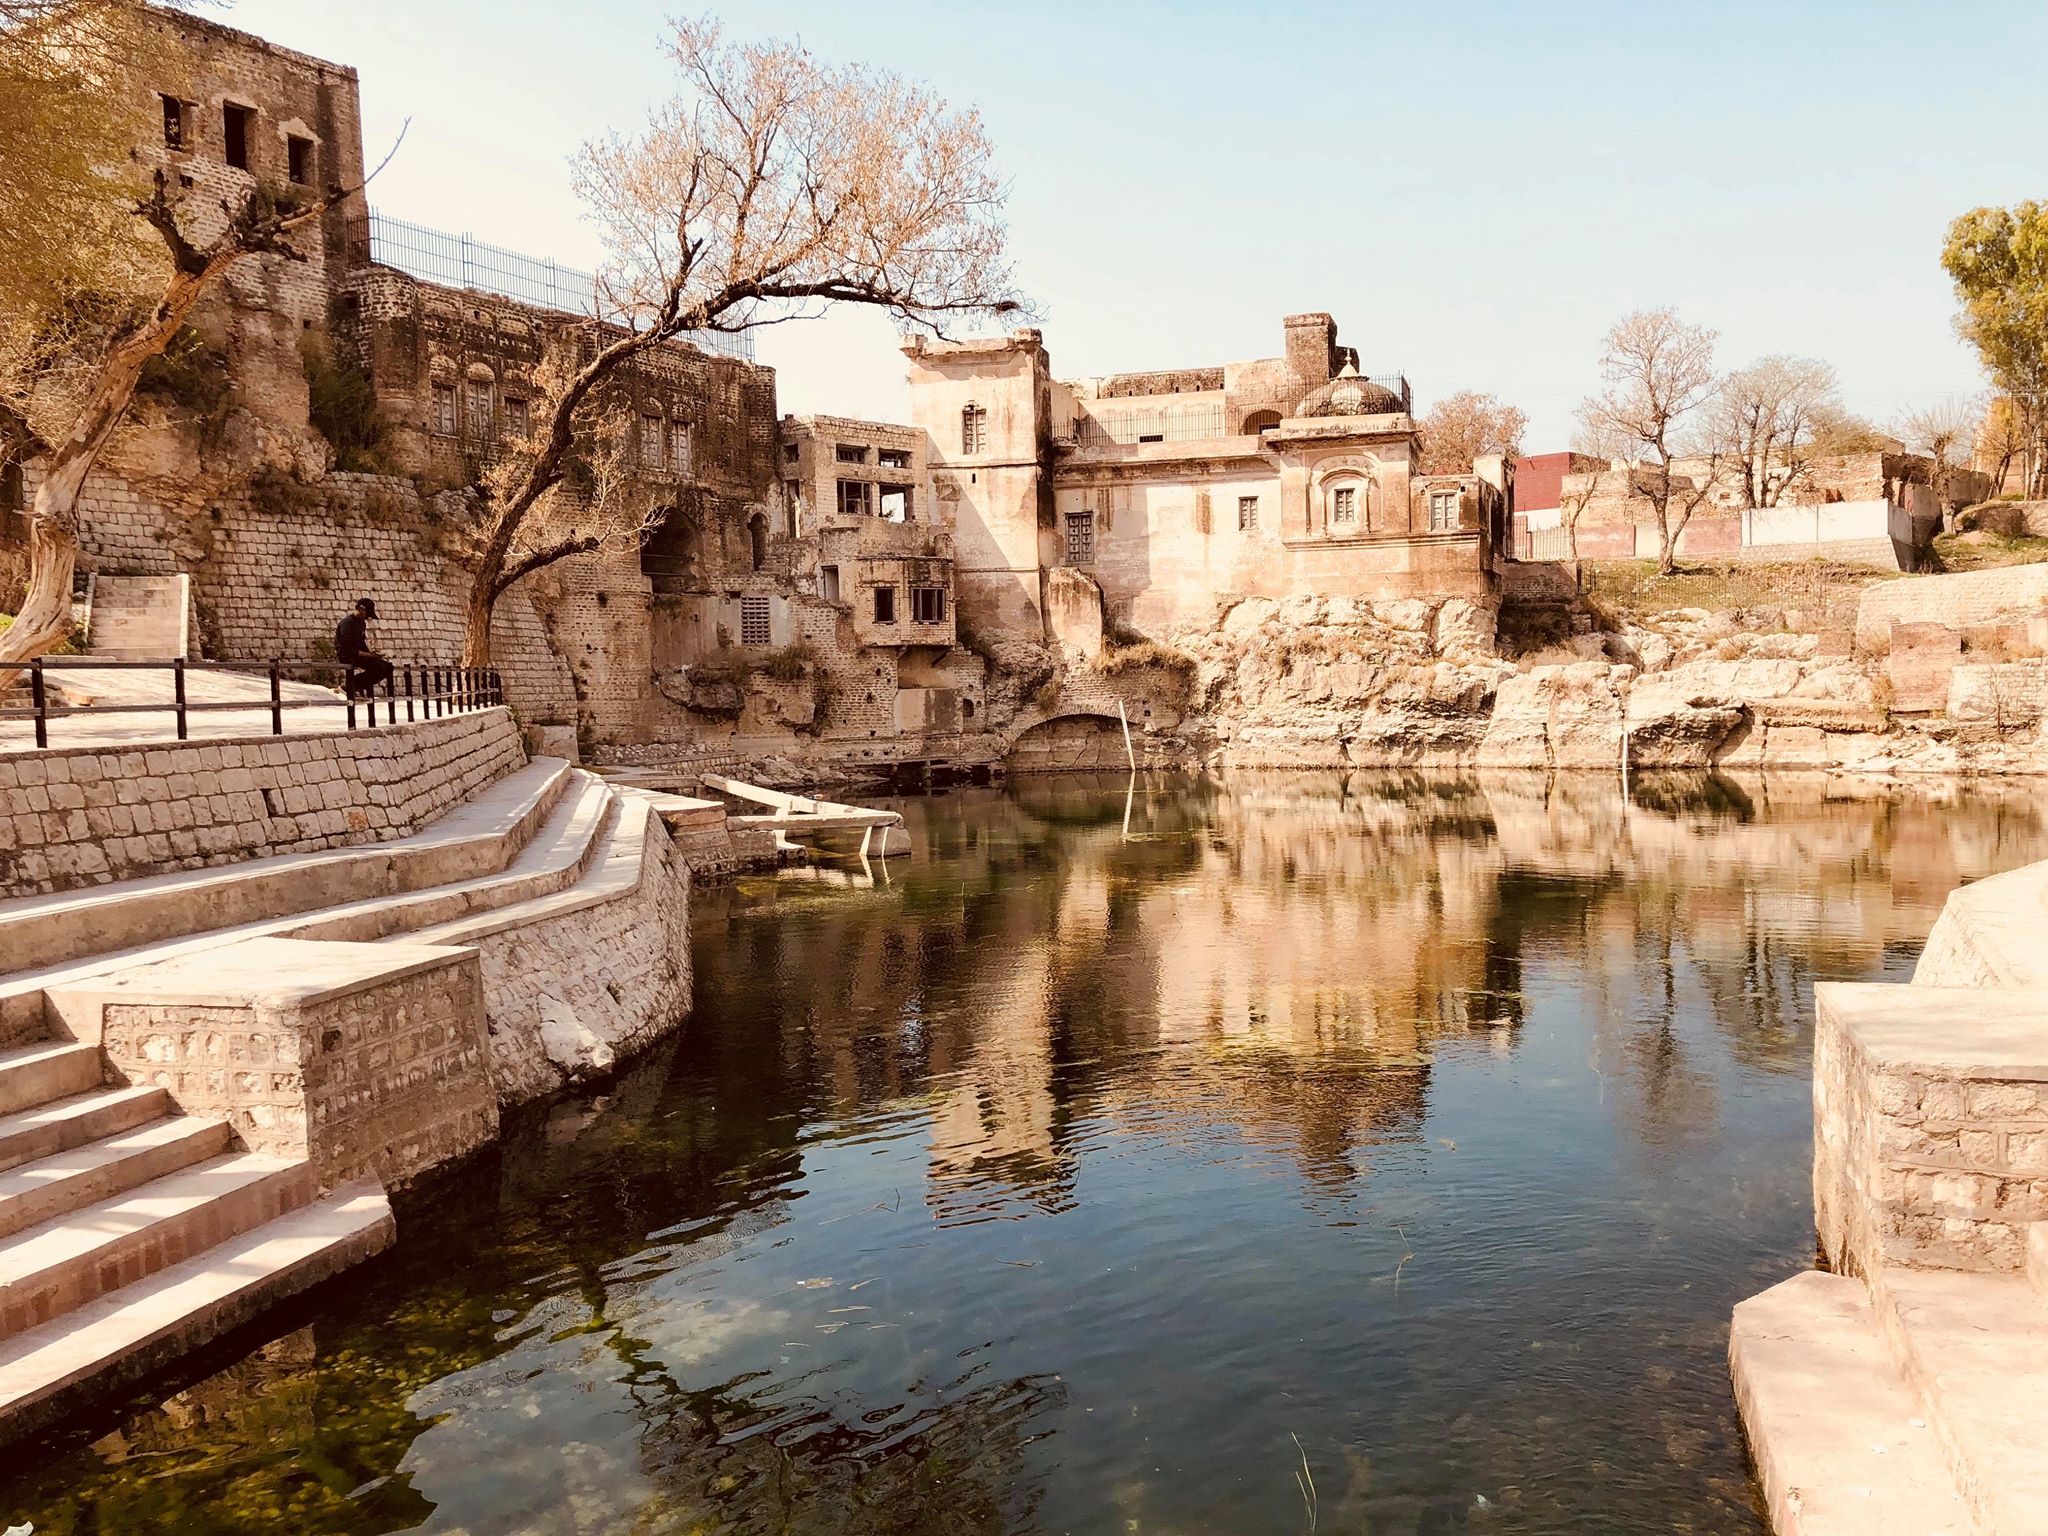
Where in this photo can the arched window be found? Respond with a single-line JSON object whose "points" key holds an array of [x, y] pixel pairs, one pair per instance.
{"points": [[1259, 422], [1351, 506], [973, 428], [757, 538]]}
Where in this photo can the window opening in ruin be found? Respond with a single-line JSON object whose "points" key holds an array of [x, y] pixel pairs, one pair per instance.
{"points": [[480, 412], [1443, 511], [973, 429], [853, 498], [754, 628], [928, 605], [1344, 505], [828, 583], [885, 605], [1247, 513], [235, 125], [1259, 423], [517, 423], [757, 539], [894, 458], [1080, 538], [679, 447], [895, 503], [650, 442], [174, 123], [1151, 437], [444, 409], [967, 709], [849, 453], [298, 159]]}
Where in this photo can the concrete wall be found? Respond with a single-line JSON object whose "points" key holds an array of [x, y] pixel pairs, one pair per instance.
{"points": [[89, 815]]}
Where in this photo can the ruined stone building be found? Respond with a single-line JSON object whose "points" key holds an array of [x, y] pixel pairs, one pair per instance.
{"points": [[1138, 501]]}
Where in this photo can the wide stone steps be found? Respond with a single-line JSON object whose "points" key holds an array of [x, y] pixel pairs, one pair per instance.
{"points": [[126, 1333], [1917, 1403], [69, 1122], [60, 1265], [38, 932], [31, 1075], [1842, 1445], [68, 1181]]}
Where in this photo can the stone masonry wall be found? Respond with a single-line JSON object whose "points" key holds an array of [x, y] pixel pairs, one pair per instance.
{"points": [[89, 815], [1965, 599], [385, 1082]]}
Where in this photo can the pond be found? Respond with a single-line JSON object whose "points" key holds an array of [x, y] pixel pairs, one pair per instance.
{"points": [[1278, 1153]]}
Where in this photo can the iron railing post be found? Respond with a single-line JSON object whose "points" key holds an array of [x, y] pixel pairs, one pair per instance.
{"points": [[391, 700], [408, 695], [42, 701], [178, 684], [276, 699]]}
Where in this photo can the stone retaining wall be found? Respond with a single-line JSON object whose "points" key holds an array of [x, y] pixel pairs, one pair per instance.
{"points": [[1962, 600], [90, 815]]}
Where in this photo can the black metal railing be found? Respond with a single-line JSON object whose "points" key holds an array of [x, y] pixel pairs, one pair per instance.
{"points": [[427, 692]]}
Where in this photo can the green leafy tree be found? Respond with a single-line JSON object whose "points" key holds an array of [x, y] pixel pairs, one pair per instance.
{"points": [[1998, 259]]}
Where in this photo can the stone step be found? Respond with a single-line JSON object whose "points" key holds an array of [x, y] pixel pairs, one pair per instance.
{"points": [[2037, 1260], [63, 1264], [37, 1073], [68, 1181], [1974, 1347], [556, 859], [1842, 1445], [70, 1122], [479, 838], [129, 1332]]}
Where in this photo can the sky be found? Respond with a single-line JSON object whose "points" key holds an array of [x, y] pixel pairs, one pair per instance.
{"points": [[1475, 191]]}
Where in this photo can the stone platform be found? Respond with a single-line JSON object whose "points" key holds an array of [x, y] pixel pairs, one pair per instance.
{"points": [[1908, 1391]]}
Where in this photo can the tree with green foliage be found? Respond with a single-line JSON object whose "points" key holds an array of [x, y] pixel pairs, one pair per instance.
{"points": [[1998, 259]]}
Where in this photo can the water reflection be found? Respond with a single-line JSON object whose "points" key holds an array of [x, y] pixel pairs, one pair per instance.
{"points": [[1365, 1152]]}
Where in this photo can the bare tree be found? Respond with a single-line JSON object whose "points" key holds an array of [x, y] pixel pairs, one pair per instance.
{"points": [[1946, 432], [1762, 421], [2001, 439], [89, 305], [1462, 428], [1656, 371], [770, 185]]}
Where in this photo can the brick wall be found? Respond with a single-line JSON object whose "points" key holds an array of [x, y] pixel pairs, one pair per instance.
{"points": [[90, 815], [1963, 600]]}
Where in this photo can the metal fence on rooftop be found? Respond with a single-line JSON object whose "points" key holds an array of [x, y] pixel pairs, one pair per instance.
{"points": [[463, 261]]}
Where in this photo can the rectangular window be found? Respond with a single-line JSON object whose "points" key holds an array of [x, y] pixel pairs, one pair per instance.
{"points": [[849, 453], [895, 506], [298, 159], [754, 629], [444, 409], [517, 422], [928, 605], [482, 422], [828, 583], [790, 452], [894, 458], [174, 124], [650, 442], [973, 429], [885, 605], [1151, 437], [1247, 513], [853, 498], [1080, 538], [1344, 505], [237, 124], [679, 446], [1443, 511]]}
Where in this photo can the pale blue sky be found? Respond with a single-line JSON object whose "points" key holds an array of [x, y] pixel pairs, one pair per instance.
{"points": [[1476, 191]]}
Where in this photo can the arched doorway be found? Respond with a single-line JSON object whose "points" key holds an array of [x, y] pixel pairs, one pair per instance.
{"points": [[672, 556], [757, 541]]}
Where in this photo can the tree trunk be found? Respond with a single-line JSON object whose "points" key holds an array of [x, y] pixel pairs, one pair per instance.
{"points": [[45, 617], [476, 623]]}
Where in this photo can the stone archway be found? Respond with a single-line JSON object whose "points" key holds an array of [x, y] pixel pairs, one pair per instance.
{"points": [[672, 558], [1078, 742]]}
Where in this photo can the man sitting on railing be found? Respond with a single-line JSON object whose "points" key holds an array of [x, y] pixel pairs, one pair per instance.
{"points": [[366, 667]]}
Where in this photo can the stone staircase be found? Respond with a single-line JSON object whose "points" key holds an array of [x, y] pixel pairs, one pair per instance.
{"points": [[139, 618], [131, 1231], [1907, 1393]]}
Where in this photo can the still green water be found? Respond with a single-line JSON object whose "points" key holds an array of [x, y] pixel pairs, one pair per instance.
{"points": [[1288, 1153]]}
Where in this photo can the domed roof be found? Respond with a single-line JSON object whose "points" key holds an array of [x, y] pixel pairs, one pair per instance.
{"points": [[1350, 395]]}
